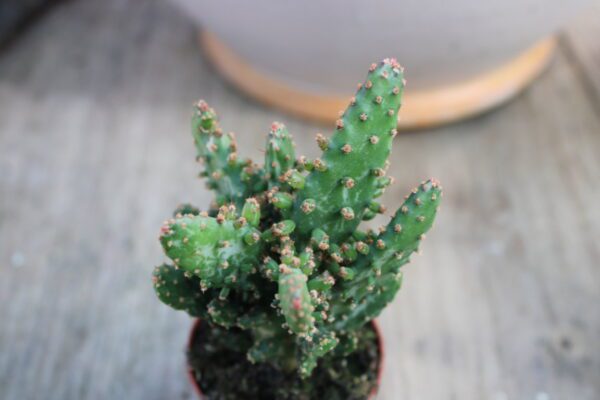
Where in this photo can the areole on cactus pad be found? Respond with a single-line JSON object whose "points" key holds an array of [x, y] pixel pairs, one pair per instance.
{"points": [[280, 255]]}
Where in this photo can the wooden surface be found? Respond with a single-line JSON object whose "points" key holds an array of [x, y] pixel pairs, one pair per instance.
{"points": [[95, 152]]}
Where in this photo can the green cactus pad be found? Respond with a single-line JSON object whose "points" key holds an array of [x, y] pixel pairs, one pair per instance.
{"points": [[177, 290], [378, 277], [211, 248], [347, 176], [280, 155], [407, 228], [231, 178]]}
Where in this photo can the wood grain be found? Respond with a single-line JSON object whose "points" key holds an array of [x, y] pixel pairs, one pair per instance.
{"points": [[95, 152]]}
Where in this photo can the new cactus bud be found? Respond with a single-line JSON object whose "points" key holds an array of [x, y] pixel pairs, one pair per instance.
{"points": [[320, 239], [278, 230], [282, 200], [322, 282], [251, 211], [322, 141], [270, 269], [307, 261], [280, 155], [295, 179], [295, 300]]}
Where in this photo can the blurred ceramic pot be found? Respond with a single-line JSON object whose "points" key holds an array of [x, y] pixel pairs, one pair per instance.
{"points": [[461, 57]]}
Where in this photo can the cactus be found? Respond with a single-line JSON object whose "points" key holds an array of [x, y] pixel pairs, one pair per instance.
{"points": [[281, 255]]}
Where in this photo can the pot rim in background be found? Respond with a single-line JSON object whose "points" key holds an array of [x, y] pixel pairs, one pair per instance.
{"points": [[421, 109]]}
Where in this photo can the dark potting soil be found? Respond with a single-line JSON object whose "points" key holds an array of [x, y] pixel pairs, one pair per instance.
{"points": [[224, 373]]}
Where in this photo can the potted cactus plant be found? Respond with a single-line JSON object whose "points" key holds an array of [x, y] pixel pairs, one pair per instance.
{"points": [[283, 282]]}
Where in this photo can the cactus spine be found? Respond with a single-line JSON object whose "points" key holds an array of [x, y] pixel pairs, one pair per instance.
{"points": [[282, 256]]}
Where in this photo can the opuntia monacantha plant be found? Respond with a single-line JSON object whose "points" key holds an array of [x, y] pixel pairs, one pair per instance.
{"points": [[280, 254]]}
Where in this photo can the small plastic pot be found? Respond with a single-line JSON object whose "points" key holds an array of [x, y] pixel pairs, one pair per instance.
{"points": [[197, 325]]}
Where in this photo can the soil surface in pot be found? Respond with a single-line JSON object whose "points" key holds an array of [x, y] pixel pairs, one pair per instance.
{"points": [[223, 372]]}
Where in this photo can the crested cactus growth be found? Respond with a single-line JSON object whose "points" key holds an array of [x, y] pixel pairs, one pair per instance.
{"points": [[281, 256]]}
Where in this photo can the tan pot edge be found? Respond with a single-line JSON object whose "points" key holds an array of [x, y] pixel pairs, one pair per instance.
{"points": [[420, 109]]}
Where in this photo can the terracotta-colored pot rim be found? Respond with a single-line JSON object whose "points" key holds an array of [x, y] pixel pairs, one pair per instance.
{"points": [[374, 324], [420, 108]]}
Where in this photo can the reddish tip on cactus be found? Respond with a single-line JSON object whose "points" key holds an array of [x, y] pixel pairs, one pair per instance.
{"points": [[394, 63], [202, 105]]}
